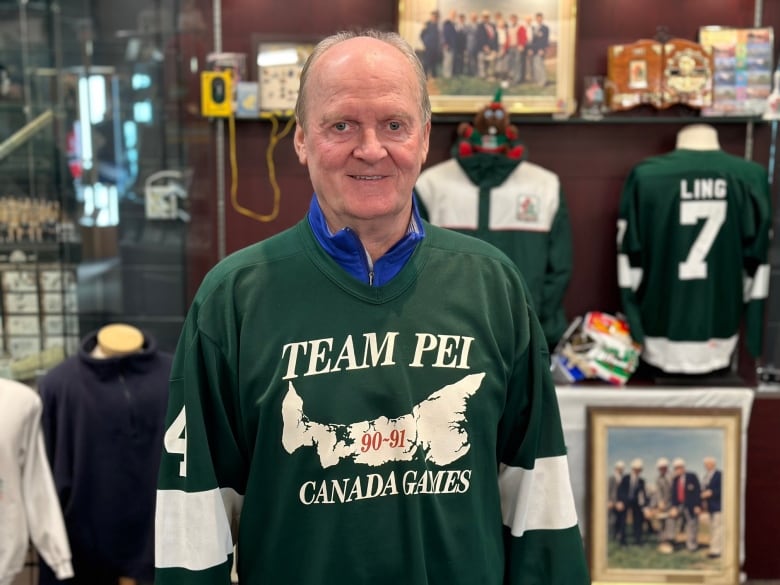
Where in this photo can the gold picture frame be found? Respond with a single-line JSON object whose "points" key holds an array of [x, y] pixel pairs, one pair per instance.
{"points": [[540, 83], [687, 536]]}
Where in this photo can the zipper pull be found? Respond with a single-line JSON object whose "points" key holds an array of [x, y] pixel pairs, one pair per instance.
{"points": [[370, 278]]}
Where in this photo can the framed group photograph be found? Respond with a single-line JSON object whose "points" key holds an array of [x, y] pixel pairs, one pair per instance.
{"points": [[663, 495], [471, 48]]}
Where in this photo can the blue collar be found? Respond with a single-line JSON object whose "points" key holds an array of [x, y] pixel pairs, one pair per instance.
{"points": [[347, 250]]}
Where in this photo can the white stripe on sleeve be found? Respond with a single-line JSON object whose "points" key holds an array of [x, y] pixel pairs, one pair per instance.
{"points": [[628, 276], [538, 498], [758, 286], [191, 530]]}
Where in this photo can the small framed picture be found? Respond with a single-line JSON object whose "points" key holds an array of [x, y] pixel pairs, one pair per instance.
{"points": [[637, 74], [279, 65], [664, 495]]}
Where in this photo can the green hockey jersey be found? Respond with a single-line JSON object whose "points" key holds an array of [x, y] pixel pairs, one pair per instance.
{"points": [[407, 433], [518, 207], [693, 236]]}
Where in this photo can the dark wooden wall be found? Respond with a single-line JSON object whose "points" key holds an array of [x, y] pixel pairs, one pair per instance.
{"points": [[592, 161]]}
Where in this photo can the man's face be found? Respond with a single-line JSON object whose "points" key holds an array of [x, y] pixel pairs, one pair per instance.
{"points": [[364, 141], [679, 470]]}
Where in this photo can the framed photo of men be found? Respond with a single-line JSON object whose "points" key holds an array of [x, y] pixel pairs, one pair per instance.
{"points": [[471, 48], [663, 495]]}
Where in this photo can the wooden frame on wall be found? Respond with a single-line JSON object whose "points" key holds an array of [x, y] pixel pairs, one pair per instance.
{"points": [[675, 542], [467, 84]]}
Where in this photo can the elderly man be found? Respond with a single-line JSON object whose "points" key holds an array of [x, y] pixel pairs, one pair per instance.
{"points": [[711, 496], [538, 50], [661, 504], [487, 46], [432, 45], [686, 502], [631, 497], [612, 485], [343, 382]]}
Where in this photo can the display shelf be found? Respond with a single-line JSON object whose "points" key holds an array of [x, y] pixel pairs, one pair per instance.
{"points": [[610, 119]]}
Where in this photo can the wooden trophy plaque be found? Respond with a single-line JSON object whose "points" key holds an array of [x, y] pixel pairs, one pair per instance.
{"points": [[634, 75], [688, 71]]}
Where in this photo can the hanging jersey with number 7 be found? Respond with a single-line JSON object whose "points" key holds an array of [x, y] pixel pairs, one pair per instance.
{"points": [[693, 235]]}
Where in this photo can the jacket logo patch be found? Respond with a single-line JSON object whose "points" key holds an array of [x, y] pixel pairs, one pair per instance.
{"points": [[527, 208]]}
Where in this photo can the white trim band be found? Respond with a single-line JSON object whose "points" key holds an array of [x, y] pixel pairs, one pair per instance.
{"points": [[628, 276], [191, 530], [538, 498], [689, 357]]}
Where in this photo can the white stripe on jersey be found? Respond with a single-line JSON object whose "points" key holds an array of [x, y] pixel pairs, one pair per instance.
{"points": [[628, 276], [758, 286], [689, 357], [538, 498], [191, 530]]}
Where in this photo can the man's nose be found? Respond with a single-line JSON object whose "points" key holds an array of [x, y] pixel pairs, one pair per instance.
{"points": [[370, 146]]}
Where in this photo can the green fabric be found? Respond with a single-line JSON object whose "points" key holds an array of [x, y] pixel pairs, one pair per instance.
{"points": [[294, 377], [672, 301], [543, 253]]}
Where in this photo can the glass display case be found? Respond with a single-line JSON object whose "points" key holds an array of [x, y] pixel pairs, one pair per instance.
{"points": [[94, 197]]}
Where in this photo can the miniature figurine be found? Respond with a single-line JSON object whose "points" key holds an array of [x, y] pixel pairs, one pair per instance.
{"points": [[490, 133]]}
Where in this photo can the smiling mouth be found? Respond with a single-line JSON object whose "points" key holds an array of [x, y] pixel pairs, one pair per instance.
{"points": [[367, 177]]}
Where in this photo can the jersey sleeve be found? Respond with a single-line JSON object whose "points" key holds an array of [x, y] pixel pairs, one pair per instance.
{"points": [[629, 256], [757, 227], [557, 274], [541, 535], [201, 471]]}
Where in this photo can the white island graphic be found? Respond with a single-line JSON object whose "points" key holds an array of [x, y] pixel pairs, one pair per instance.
{"points": [[435, 427]]}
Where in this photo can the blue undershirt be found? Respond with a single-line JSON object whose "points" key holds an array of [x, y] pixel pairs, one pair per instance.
{"points": [[346, 248]]}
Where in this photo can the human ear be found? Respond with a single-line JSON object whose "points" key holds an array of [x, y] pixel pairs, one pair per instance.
{"points": [[300, 144]]}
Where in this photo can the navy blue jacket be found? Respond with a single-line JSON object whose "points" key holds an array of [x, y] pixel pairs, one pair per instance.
{"points": [[103, 423], [714, 484]]}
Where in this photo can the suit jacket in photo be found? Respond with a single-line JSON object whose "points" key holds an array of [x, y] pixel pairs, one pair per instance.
{"points": [[713, 484], [692, 491], [541, 38], [449, 34], [485, 38], [663, 491], [624, 493]]}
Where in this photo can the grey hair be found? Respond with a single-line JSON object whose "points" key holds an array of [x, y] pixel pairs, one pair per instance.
{"points": [[391, 38]]}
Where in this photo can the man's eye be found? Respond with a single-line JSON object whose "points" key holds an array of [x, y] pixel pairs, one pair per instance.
{"points": [[340, 126], [394, 125]]}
